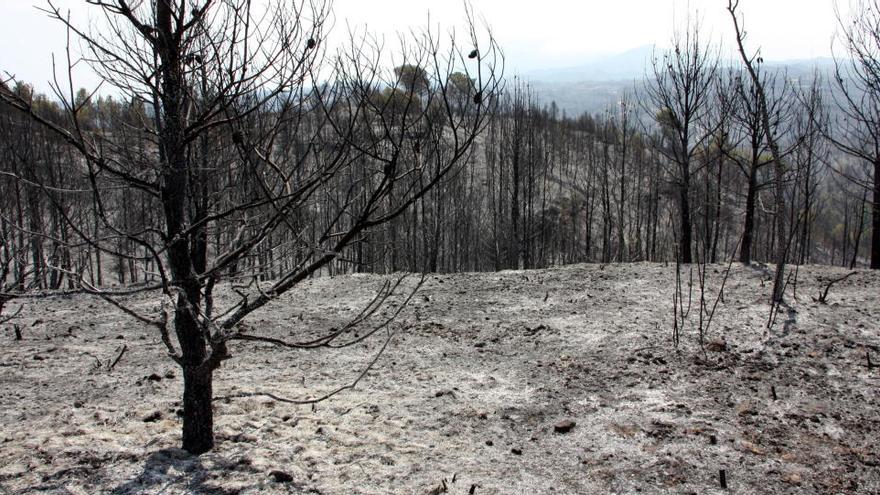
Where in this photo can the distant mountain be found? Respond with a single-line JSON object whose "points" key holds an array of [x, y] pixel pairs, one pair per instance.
{"points": [[596, 85], [803, 69], [628, 65]]}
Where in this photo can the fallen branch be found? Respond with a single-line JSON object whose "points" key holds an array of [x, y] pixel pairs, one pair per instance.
{"points": [[118, 357], [823, 296]]}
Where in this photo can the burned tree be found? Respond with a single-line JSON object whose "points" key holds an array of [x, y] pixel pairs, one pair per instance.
{"points": [[782, 240], [679, 97], [247, 135], [754, 155], [857, 78]]}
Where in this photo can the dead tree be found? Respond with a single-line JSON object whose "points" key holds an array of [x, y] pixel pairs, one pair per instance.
{"points": [[857, 77], [9, 283], [782, 241], [221, 75], [810, 159], [679, 97], [754, 154]]}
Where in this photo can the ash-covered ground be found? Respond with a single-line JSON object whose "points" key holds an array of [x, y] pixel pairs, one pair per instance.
{"points": [[469, 394]]}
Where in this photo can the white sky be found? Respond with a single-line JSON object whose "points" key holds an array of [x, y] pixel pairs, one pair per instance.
{"points": [[535, 34]]}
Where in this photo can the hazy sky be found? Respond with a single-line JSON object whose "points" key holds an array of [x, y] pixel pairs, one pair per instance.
{"points": [[534, 34]]}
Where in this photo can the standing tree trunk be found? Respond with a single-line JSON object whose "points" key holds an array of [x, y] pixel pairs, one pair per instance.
{"points": [[875, 218], [686, 232], [198, 435], [860, 229], [745, 253], [198, 411]]}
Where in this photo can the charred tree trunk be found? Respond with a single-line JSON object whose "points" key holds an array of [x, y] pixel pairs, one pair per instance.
{"points": [[875, 218], [198, 412], [745, 253], [686, 233], [860, 229], [198, 435], [513, 248]]}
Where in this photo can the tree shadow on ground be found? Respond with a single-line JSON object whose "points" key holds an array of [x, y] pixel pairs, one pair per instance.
{"points": [[189, 471], [788, 324], [790, 320]]}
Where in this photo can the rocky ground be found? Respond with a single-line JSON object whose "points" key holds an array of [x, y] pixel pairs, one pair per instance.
{"points": [[550, 381]]}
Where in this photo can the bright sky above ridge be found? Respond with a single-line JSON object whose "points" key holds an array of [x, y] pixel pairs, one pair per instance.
{"points": [[534, 34]]}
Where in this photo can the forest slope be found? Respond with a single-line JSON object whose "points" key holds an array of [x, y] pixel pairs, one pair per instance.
{"points": [[469, 391]]}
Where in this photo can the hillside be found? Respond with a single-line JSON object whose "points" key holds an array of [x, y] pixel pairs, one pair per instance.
{"points": [[468, 394]]}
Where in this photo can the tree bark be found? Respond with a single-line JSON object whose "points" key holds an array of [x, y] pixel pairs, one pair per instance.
{"points": [[860, 229], [183, 252], [686, 234], [198, 412], [745, 253], [875, 218]]}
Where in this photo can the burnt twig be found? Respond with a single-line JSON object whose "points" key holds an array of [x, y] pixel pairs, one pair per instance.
{"points": [[823, 296], [112, 364]]}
